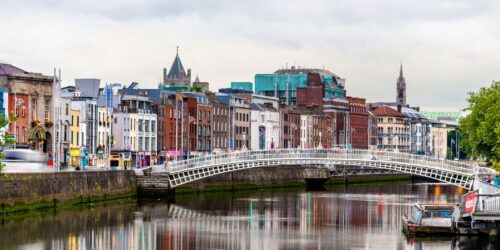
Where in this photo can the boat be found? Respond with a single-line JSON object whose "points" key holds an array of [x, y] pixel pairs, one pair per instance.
{"points": [[426, 219]]}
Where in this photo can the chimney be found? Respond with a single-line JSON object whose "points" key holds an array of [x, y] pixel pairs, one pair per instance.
{"points": [[399, 107]]}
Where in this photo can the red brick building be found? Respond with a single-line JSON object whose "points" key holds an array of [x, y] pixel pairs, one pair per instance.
{"points": [[198, 124], [312, 95], [358, 117], [290, 127]]}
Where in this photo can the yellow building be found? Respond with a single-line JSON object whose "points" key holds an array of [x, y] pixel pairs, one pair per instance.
{"points": [[75, 139], [392, 129]]}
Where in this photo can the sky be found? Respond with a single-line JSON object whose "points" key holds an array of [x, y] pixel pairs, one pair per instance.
{"points": [[448, 48]]}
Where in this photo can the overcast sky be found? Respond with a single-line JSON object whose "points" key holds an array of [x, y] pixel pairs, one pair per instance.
{"points": [[448, 47]]}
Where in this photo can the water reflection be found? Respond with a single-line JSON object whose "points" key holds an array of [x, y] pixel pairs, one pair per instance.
{"points": [[354, 217]]}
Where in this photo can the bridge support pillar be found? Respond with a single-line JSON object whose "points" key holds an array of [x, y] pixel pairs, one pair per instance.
{"points": [[154, 184], [315, 178]]}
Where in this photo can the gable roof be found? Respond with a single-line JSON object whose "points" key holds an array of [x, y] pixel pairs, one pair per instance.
{"points": [[8, 69], [387, 111]]}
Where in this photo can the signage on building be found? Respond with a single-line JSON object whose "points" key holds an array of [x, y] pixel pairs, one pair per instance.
{"points": [[470, 202]]}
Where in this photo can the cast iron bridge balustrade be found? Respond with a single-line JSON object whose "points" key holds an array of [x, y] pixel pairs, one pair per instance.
{"points": [[452, 172]]}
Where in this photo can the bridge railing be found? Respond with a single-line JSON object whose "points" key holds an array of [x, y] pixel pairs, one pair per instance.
{"points": [[347, 154]]}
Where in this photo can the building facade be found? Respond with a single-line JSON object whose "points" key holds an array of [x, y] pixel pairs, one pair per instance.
{"points": [[220, 124], [358, 120], [290, 127], [264, 127], [392, 129], [30, 97]]}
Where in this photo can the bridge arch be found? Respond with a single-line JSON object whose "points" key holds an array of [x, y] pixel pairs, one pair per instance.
{"points": [[452, 172]]}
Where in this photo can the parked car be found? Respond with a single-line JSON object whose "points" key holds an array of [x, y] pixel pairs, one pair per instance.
{"points": [[25, 160]]}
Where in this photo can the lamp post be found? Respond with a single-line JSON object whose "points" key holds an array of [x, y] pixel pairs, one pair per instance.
{"points": [[244, 142], [320, 146], [292, 125], [191, 120], [17, 103]]}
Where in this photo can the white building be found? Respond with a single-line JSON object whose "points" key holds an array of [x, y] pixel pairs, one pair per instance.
{"points": [[264, 127], [306, 131], [135, 129]]}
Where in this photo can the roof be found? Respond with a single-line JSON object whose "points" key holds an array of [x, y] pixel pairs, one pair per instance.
{"points": [[177, 70], [304, 71], [261, 107], [411, 113], [8, 69], [387, 111]]}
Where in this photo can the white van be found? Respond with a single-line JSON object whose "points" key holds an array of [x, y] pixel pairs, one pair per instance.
{"points": [[24, 160]]}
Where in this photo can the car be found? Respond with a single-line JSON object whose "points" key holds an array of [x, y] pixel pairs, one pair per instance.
{"points": [[25, 161]]}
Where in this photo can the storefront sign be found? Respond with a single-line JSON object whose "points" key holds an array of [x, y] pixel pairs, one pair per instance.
{"points": [[470, 202]]}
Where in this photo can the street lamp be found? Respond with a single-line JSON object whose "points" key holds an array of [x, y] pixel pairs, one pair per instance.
{"points": [[17, 103], [319, 145], [292, 125], [191, 120], [244, 142]]}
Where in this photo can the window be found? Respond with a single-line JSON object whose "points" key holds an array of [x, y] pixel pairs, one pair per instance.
{"points": [[153, 144], [147, 144], [146, 126], [78, 122], [33, 106], [47, 109], [82, 139], [65, 132], [67, 108], [140, 125], [77, 139], [72, 137], [153, 126]]}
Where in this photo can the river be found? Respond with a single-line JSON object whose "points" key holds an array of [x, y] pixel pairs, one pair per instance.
{"points": [[341, 217]]}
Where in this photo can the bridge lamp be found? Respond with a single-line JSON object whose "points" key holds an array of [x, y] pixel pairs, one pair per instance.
{"points": [[320, 146]]}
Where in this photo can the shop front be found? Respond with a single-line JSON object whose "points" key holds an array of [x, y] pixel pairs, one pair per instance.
{"points": [[74, 157], [122, 159]]}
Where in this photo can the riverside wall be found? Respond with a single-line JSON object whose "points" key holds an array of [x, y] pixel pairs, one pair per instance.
{"points": [[31, 191], [280, 176]]}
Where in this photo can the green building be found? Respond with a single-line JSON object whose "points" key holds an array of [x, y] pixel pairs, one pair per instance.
{"points": [[286, 82], [242, 85]]}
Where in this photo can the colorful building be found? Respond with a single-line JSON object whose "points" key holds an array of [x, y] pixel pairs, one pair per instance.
{"points": [[284, 83]]}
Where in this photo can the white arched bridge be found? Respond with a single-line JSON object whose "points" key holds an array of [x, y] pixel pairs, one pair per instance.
{"points": [[452, 172]]}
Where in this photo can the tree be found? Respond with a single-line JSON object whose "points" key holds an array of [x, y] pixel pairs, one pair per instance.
{"points": [[4, 121], [480, 129]]}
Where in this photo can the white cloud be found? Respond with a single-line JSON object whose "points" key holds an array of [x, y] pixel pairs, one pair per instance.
{"points": [[447, 47]]}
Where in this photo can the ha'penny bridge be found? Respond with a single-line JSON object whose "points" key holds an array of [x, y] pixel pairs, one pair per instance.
{"points": [[338, 161], [485, 200]]}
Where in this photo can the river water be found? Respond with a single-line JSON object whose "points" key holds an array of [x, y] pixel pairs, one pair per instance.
{"points": [[342, 217]]}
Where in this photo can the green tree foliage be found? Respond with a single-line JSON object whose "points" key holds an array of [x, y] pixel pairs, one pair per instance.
{"points": [[480, 130]]}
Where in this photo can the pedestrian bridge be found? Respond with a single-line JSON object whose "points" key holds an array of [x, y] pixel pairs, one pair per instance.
{"points": [[452, 172]]}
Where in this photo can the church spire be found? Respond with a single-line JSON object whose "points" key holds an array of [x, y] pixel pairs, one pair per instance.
{"points": [[401, 87], [401, 70]]}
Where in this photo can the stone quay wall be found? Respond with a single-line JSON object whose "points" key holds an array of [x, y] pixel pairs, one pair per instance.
{"points": [[29, 191]]}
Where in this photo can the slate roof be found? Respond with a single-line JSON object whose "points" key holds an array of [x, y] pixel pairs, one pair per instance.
{"points": [[7, 69], [177, 70], [261, 107]]}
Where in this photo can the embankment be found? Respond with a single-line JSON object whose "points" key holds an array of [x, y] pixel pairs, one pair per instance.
{"points": [[30, 191]]}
